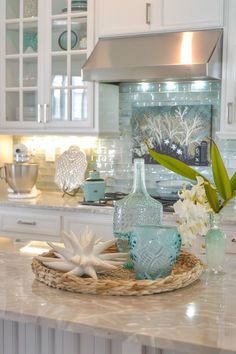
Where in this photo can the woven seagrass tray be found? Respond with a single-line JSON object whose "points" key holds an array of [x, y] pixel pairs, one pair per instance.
{"points": [[122, 281]]}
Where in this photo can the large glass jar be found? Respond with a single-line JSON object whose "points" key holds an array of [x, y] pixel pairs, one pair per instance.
{"points": [[137, 208]]}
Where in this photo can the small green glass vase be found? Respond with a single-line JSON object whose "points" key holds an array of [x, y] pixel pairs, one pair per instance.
{"points": [[215, 245]]}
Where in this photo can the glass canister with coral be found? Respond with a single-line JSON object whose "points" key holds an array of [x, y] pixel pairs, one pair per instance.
{"points": [[137, 208]]}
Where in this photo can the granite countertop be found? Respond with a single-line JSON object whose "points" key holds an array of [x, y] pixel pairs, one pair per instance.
{"points": [[198, 319], [54, 201]]}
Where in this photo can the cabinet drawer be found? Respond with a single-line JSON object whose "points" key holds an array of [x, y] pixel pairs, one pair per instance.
{"points": [[31, 223], [101, 225]]}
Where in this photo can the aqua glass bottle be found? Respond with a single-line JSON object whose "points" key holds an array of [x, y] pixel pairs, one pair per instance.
{"points": [[215, 245], [137, 208]]}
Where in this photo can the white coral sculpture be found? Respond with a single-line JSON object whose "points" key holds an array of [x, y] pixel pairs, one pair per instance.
{"points": [[83, 255]]}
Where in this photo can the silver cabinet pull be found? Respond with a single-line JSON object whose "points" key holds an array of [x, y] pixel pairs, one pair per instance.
{"points": [[229, 112], [148, 13], [45, 108], [39, 113], [31, 223]]}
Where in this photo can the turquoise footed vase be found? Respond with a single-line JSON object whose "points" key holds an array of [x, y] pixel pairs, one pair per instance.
{"points": [[215, 245]]}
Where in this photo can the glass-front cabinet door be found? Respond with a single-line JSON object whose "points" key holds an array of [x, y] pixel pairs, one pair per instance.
{"points": [[68, 52], [20, 74], [45, 47]]}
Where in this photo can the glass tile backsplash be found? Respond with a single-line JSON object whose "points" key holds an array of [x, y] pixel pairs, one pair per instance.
{"points": [[112, 155], [147, 97]]}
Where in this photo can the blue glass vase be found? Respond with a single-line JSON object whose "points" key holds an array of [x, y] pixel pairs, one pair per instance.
{"points": [[154, 250], [215, 245], [136, 208]]}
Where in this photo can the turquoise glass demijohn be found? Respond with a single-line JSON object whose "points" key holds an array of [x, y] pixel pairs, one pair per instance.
{"points": [[137, 208]]}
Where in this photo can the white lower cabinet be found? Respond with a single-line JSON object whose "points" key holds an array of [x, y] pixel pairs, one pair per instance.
{"points": [[100, 224], [25, 224]]}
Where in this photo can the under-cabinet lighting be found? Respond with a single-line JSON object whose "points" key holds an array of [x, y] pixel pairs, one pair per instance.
{"points": [[198, 85], [171, 86], [145, 86]]}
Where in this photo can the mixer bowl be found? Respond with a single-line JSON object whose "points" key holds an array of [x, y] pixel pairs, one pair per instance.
{"points": [[21, 177]]}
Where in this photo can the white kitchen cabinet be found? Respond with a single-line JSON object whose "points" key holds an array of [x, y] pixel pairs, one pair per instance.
{"points": [[28, 224], [119, 17], [100, 224], [41, 84], [40, 224], [228, 102], [125, 16], [192, 14]]}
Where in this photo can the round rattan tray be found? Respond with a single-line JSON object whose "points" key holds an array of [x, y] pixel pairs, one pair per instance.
{"points": [[121, 281]]}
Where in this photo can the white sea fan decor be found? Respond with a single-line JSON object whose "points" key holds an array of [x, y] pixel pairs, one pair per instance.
{"points": [[83, 255]]}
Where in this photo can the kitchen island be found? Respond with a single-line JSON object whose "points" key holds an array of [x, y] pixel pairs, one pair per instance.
{"points": [[38, 319]]}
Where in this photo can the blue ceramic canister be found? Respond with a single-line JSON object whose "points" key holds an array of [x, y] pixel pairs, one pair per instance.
{"points": [[93, 187]]}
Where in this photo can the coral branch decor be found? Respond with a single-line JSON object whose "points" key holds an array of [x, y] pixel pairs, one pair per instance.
{"points": [[179, 131], [83, 255]]}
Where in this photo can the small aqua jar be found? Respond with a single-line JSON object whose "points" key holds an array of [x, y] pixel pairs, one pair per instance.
{"points": [[154, 250]]}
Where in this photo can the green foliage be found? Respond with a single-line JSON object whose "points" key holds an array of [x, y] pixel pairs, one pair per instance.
{"points": [[174, 165], [233, 182], [220, 194], [220, 174]]}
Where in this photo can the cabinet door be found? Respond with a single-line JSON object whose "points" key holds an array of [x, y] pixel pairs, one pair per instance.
{"points": [[43, 48], [66, 100], [19, 63], [228, 103], [191, 14], [119, 17]]}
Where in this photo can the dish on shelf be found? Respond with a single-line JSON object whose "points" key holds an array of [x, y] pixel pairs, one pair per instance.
{"points": [[62, 40], [79, 7]]}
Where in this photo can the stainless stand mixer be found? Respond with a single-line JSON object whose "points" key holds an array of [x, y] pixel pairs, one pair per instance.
{"points": [[21, 175]]}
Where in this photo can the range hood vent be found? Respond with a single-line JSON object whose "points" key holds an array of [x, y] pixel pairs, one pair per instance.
{"points": [[156, 57]]}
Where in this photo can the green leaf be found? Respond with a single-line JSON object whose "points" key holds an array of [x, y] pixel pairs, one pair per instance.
{"points": [[212, 197], [233, 182], [174, 165], [220, 174]]}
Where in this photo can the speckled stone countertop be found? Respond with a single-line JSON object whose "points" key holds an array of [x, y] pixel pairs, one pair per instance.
{"points": [[198, 319], [54, 201]]}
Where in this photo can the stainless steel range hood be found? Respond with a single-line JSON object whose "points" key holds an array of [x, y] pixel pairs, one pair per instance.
{"points": [[156, 57]]}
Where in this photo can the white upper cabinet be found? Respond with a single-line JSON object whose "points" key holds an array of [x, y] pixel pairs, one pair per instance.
{"points": [[119, 17], [192, 14], [43, 47], [228, 103], [125, 16]]}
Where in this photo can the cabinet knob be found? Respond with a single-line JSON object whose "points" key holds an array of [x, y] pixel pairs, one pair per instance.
{"points": [[148, 13]]}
